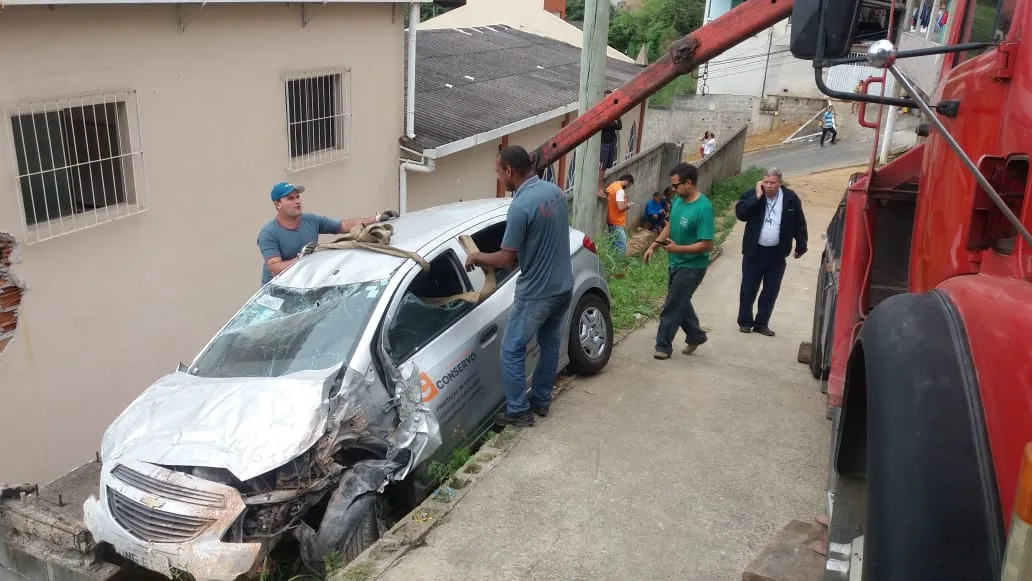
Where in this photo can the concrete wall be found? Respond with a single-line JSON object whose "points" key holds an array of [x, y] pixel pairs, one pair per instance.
{"points": [[109, 309], [651, 171], [723, 163], [690, 115], [923, 71]]}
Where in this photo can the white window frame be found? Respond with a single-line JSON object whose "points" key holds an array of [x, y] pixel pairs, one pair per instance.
{"points": [[90, 179], [315, 138]]}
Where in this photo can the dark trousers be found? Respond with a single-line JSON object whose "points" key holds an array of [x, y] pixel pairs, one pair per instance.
{"points": [[766, 266], [656, 222], [678, 312], [826, 131], [608, 154]]}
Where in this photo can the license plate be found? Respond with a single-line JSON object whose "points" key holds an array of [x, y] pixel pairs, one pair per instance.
{"points": [[147, 560]]}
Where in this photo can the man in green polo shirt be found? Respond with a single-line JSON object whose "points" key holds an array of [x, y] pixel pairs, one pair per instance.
{"points": [[687, 239]]}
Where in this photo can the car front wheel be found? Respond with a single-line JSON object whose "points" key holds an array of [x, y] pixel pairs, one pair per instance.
{"points": [[591, 335]]}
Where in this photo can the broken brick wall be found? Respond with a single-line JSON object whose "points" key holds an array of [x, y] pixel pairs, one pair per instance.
{"points": [[10, 290]]}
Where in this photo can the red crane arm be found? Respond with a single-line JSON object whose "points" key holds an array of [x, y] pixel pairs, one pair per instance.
{"points": [[705, 43]]}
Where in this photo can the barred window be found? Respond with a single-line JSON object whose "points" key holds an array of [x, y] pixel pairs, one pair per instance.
{"points": [[79, 162], [318, 117]]}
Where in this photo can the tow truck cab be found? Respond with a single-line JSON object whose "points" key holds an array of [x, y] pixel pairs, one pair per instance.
{"points": [[922, 322]]}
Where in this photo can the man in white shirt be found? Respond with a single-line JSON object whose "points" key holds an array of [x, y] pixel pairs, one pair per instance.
{"points": [[773, 216]]}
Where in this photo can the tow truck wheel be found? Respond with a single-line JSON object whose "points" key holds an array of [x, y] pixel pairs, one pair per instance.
{"points": [[816, 345]]}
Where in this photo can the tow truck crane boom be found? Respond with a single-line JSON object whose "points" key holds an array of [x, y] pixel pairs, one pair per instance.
{"points": [[687, 53]]}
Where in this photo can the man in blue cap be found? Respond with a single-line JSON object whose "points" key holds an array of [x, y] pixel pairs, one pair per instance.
{"points": [[283, 237]]}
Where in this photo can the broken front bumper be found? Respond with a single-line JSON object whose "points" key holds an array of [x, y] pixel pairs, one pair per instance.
{"points": [[164, 520]]}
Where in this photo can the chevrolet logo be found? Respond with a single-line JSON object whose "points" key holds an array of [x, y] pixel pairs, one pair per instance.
{"points": [[153, 502]]}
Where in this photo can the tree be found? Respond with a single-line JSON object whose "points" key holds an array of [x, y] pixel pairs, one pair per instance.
{"points": [[656, 24]]}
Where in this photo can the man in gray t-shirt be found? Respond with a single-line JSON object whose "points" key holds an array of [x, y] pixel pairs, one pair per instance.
{"points": [[282, 238], [537, 233]]}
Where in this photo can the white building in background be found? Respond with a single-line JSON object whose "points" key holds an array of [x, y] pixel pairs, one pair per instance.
{"points": [[760, 66], [763, 65]]}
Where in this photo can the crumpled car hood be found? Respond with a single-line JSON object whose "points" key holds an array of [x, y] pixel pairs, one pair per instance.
{"points": [[248, 426]]}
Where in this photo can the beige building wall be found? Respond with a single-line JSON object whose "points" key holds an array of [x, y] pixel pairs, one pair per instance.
{"points": [[469, 174], [109, 309]]}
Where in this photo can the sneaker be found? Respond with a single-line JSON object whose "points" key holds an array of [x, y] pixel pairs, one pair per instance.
{"points": [[541, 410], [661, 355], [745, 328], [504, 419], [689, 348], [764, 331]]}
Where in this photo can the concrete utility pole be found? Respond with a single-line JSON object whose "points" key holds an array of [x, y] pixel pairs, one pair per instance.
{"points": [[586, 203]]}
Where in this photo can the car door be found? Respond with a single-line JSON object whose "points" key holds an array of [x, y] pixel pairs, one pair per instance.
{"points": [[492, 312], [488, 236], [445, 342]]}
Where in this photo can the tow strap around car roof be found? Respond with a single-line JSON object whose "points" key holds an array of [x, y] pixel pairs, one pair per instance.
{"points": [[377, 238]]}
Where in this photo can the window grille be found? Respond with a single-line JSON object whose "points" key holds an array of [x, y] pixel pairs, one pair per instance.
{"points": [[79, 162], [319, 123]]}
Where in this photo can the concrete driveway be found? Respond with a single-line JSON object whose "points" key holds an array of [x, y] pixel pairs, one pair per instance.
{"points": [[679, 469]]}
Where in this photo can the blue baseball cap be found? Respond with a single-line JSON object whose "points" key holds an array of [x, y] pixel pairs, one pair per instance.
{"points": [[284, 189]]}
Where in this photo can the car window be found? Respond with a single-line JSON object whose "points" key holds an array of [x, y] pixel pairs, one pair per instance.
{"points": [[489, 239], [418, 318], [286, 330]]}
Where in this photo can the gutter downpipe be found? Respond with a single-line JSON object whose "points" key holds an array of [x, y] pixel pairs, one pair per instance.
{"points": [[407, 165], [410, 92]]}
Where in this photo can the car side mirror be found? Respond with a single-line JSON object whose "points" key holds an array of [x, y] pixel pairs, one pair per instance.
{"points": [[840, 17]]}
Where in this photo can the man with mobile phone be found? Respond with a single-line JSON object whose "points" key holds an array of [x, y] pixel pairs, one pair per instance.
{"points": [[687, 239], [616, 214]]}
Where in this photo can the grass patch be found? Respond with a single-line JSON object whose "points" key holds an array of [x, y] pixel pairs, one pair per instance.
{"points": [[638, 288], [440, 472], [683, 85]]}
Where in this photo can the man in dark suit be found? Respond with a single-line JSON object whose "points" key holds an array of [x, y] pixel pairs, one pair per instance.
{"points": [[773, 217]]}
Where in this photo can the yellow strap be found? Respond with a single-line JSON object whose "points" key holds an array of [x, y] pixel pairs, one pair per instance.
{"points": [[377, 238]]}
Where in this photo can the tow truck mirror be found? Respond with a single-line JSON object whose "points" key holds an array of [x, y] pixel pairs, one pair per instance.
{"points": [[840, 18]]}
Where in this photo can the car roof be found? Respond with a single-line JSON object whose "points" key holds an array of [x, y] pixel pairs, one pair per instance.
{"points": [[419, 231]]}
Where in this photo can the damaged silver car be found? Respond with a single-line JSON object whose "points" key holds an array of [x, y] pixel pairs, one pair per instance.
{"points": [[348, 373]]}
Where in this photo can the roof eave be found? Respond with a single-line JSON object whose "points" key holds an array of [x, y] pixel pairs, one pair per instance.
{"points": [[489, 136]]}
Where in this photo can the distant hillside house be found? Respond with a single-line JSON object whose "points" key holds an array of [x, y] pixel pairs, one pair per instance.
{"points": [[480, 89]]}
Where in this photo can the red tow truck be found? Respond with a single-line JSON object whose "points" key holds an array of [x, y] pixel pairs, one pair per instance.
{"points": [[922, 332]]}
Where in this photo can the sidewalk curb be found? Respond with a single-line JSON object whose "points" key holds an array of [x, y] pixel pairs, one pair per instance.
{"points": [[410, 531]]}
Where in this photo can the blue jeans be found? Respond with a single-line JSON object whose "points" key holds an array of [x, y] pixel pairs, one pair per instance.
{"points": [[530, 318], [619, 238]]}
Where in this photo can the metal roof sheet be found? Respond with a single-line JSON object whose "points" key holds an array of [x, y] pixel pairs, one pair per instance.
{"points": [[516, 75]]}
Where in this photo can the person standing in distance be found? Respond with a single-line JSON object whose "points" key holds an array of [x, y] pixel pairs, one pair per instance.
{"points": [[616, 211], [282, 238], [537, 233], [773, 216], [687, 239]]}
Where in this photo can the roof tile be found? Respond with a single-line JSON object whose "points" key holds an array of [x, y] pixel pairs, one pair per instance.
{"points": [[516, 75]]}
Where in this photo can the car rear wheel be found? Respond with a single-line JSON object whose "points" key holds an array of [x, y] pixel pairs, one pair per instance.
{"points": [[591, 335]]}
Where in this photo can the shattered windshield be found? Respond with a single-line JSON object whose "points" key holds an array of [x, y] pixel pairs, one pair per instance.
{"points": [[286, 330]]}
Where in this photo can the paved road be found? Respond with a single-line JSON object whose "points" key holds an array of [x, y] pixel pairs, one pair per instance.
{"points": [[679, 469], [808, 156]]}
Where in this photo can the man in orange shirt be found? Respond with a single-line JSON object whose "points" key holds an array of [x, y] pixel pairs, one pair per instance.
{"points": [[616, 215]]}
